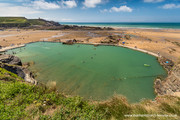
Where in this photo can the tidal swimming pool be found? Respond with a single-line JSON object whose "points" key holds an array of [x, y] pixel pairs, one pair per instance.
{"points": [[95, 73]]}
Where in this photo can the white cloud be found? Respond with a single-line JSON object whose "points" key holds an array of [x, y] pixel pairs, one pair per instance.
{"points": [[42, 4], [91, 3], [153, 1], [12, 10], [171, 6], [34, 7], [22, 0], [69, 3], [121, 9], [105, 10], [15, 0], [66, 19]]}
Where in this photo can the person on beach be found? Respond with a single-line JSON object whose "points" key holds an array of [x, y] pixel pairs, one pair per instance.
{"points": [[158, 53]]}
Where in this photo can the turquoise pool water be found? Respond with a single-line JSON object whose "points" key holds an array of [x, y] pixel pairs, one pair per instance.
{"points": [[93, 72]]}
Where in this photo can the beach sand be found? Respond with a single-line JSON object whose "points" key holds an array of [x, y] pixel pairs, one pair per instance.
{"points": [[164, 41]]}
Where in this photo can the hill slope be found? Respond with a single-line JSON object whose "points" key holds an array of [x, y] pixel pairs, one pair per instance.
{"points": [[8, 20], [24, 22], [41, 24]]}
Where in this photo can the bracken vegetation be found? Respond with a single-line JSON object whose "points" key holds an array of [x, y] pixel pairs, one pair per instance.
{"points": [[20, 100]]}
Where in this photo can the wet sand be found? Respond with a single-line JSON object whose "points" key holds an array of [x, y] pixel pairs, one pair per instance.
{"points": [[163, 41]]}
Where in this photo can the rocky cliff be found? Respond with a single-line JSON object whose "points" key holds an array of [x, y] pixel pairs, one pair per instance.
{"points": [[14, 65], [171, 85]]}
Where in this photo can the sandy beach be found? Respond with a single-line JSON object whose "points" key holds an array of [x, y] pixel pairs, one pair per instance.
{"points": [[163, 41]]}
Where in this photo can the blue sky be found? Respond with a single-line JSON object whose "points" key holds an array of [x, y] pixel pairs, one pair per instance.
{"points": [[94, 10]]}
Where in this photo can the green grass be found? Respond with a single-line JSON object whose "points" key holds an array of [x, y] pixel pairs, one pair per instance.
{"points": [[8, 76], [19, 22], [17, 97], [6, 20], [36, 22], [20, 100]]}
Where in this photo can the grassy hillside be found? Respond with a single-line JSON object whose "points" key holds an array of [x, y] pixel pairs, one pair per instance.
{"points": [[36, 22], [23, 22], [8, 20], [13, 22], [20, 100]]}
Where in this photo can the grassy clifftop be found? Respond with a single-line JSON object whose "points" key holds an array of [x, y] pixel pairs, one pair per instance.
{"points": [[23, 22], [13, 22], [8, 20], [41, 24], [20, 100]]}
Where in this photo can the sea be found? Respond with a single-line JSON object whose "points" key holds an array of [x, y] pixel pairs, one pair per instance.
{"points": [[127, 25]]}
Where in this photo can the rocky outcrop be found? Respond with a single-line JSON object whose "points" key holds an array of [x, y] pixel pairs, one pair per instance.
{"points": [[171, 84], [49, 23], [69, 27], [70, 42], [112, 39], [10, 59], [167, 63], [10, 25], [14, 65], [14, 69]]}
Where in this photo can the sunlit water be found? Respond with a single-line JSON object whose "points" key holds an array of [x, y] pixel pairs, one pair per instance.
{"points": [[93, 72], [128, 25]]}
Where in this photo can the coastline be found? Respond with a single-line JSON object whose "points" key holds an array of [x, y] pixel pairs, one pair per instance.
{"points": [[123, 27], [11, 47]]}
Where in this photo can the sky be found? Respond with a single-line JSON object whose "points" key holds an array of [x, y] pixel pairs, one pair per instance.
{"points": [[94, 10]]}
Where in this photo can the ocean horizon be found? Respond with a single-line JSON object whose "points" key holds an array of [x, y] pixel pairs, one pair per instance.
{"points": [[142, 25]]}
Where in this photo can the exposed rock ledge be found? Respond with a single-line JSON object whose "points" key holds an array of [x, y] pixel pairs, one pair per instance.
{"points": [[14, 65], [171, 85]]}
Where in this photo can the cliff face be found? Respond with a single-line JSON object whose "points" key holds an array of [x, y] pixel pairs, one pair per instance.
{"points": [[171, 85]]}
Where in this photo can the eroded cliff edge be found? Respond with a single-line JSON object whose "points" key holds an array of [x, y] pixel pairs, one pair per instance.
{"points": [[14, 65]]}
